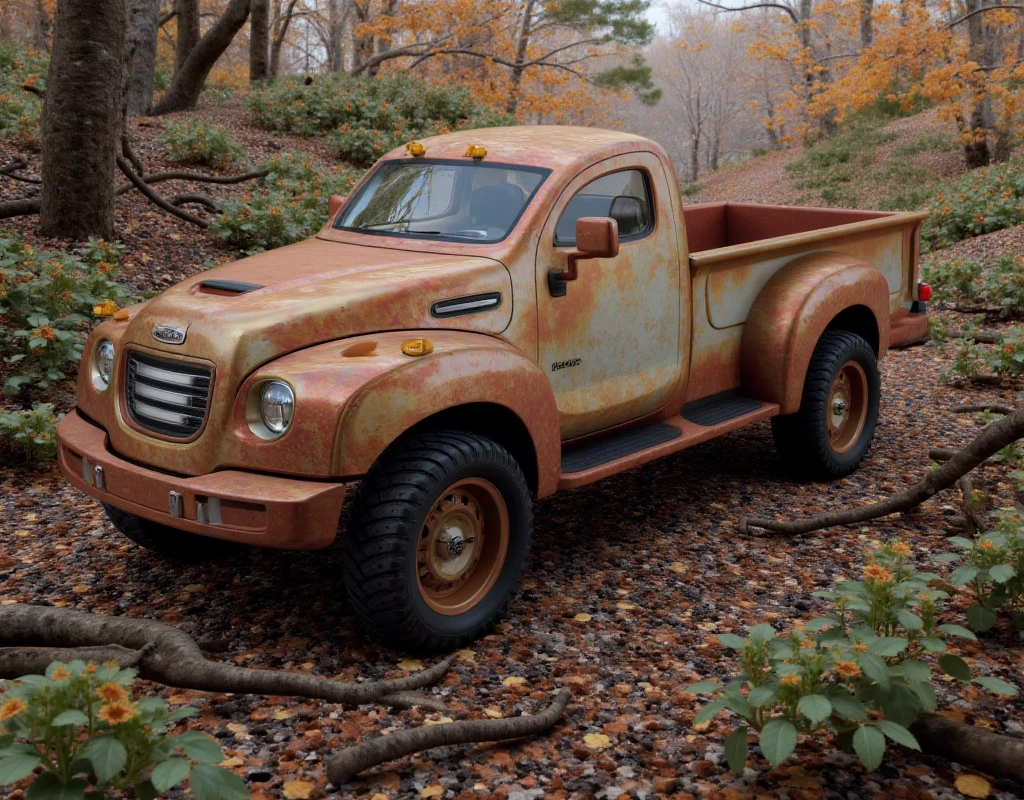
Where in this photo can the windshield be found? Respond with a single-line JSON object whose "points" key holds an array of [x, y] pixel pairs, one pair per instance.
{"points": [[448, 200]]}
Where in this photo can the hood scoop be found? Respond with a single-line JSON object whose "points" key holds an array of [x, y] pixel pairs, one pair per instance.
{"points": [[221, 287]]}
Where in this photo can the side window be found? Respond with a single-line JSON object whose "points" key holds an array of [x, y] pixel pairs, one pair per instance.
{"points": [[624, 196]]}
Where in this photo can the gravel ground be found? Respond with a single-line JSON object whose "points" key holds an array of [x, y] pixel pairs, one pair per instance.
{"points": [[651, 558]]}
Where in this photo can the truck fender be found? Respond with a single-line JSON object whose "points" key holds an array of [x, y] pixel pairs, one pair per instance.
{"points": [[464, 369], [791, 313]]}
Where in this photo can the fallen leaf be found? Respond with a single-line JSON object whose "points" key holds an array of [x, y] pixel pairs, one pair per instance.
{"points": [[678, 566], [973, 786], [298, 790], [438, 721], [626, 606], [283, 714], [410, 664], [583, 617], [234, 761], [437, 790], [597, 741], [493, 713], [514, 681], [466, 655]]}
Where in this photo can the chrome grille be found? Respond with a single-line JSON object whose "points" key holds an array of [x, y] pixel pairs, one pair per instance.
{"points": [[169, 397]]}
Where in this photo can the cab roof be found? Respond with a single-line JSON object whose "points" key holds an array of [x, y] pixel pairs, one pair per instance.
{"points": [[550, 146]]}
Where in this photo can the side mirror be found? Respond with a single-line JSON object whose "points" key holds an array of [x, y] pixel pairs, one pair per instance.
{"points": [[334, 204], [596, 237]]}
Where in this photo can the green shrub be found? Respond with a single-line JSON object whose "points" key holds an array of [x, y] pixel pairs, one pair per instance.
{"points": [[992, 567], [19, 109], [1004, 284], [985, 200], [859, 674], [954, 279], [288, 205], [192, 141], [366, 117], [48, 304], [80, 723], [31, 433]]}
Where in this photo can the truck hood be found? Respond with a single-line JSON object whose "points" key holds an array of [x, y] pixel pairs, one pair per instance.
{"points": [[313, 292]]}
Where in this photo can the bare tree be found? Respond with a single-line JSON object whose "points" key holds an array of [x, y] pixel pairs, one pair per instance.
{"points": [[188, 82], [279, 27], [82, 114], [142, 36]]}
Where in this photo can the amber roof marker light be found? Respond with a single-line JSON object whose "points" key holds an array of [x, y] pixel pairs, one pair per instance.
{"points": [[415, 149], [476, 151]]}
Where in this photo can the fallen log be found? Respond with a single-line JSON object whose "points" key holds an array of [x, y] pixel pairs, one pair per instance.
{"points": [[984, 750]]}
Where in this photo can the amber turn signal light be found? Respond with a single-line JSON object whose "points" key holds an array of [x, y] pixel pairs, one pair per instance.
{"points": [[417, 347]]}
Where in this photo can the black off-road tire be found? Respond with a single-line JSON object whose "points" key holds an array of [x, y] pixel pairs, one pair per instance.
{"points": [[802, 439], [164, 540], [388, 518]]}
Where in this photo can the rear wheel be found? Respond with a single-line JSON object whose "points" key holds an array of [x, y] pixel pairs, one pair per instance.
{"points": [[164, 540], [437, 540], [830, 434]]}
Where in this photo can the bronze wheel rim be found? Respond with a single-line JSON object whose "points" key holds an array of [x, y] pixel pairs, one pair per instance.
{"points": [[847, 407], [462, 546]]}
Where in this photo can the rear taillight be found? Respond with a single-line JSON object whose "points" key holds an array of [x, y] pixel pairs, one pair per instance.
{"points": [[924, 292]]}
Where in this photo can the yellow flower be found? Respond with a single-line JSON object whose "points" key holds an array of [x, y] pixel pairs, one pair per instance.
{"points": [[90, 669], [11, 709], [876, 572], [988, 544], [112, 693], [807, 644], [61, 674], [116, 713], [860, 647], [791, 680], [45, 332], [105, 309], [847, 669], [901, 549]]}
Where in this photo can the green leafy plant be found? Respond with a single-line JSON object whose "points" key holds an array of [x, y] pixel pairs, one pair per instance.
{"points": [[985, 200], [80, 724], [991, 566], [1004, 283], [954, 279], [48, 303], [288, 205], [968, 360], [860, 674], [192, 141], [366, 117], [21, 64], [32, 433]]}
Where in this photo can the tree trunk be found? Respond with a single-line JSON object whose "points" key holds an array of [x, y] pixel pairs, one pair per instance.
{"points": [[41, 27], [976, 150], [516, 73], [82, 115], [867, 23], [259, 40], [187, 15], [280, 32], [188, 82], [142, 36], [335, 36]]}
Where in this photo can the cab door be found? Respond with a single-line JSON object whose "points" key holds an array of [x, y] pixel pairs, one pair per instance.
{"points": [[610, 345]]}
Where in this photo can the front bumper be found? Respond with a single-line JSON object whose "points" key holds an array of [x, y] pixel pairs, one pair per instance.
{"points": [[248, 507]]}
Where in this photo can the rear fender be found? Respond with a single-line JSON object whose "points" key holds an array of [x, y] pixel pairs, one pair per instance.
{"points": [[796, 306], [463, 369]]}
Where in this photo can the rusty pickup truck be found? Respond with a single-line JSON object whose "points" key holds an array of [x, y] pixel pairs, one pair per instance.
{"points": [[490, 317]]}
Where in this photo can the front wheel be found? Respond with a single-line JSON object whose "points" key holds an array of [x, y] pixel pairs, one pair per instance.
{"points": [[830, 434], [437, 540]]}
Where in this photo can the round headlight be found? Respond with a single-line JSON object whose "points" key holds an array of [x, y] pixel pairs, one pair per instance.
{"points": [[104, 364], [277, 406]]}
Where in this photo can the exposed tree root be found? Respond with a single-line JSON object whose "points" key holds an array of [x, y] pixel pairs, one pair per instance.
{"points": [[986, 444], [203, 200], [995, 408], [994, 753], [981, 337], [346, 764], [31, 637], [19, 163], [156, 199], [19, 208], [193, 177]]}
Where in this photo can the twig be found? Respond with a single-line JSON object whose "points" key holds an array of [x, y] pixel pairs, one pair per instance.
{"points": [[985, 445], [974, 522], [995, 408], [981, 337], [203, 200], [348, 763], [28, 87], [169, 656]]}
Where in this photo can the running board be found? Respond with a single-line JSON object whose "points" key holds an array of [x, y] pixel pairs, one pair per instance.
{"points": [[719, 407], [596, 459]]}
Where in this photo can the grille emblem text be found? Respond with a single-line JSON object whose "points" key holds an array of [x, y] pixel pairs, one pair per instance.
{"points": [[168, 334]]}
